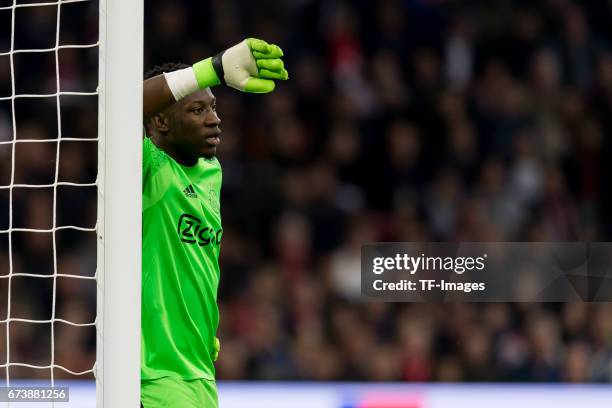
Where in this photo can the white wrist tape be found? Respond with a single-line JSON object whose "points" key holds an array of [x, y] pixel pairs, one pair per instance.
{"points": [[182, 82]]}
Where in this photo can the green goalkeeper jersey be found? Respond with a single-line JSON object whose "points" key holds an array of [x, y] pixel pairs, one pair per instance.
{"points": [[181, 239]]}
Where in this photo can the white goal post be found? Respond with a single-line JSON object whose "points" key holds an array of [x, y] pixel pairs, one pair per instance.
{"points": [[119, 203]]}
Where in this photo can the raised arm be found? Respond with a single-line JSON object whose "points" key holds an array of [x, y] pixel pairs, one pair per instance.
{"points": [[249, 66], [156, 96]]}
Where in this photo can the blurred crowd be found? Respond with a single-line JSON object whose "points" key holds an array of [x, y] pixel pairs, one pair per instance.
{"points": [[402, 120]]}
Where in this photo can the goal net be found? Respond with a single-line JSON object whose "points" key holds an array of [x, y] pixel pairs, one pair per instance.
{"points": [[70, 109]]}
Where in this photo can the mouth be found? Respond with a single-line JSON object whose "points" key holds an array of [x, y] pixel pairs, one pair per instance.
{"points": [[214, 139]]}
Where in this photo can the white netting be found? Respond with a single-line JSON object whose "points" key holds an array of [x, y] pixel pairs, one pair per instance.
{"points": [[10, 143]]}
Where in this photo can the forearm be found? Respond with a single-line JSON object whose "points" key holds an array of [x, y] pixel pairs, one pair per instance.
{"points": [[249, 66], [162, 91]]}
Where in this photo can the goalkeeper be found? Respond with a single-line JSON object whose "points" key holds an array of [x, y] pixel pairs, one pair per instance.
{"points": [[181, 219]]}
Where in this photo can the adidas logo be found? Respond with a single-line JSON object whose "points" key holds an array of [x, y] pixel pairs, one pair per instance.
{"points": [[190, 192]]}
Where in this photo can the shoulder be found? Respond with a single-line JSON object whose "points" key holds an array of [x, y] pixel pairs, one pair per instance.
{"points": [[152, 156]]}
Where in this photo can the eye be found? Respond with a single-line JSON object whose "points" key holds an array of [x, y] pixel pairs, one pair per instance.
{"points": [[197, 110], [214, 107]]}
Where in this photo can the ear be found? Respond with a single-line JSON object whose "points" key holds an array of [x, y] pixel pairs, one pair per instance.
{"points": [[160, 122]]}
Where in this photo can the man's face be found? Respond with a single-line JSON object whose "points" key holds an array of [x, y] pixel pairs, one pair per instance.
{"points": [[193, 125]]}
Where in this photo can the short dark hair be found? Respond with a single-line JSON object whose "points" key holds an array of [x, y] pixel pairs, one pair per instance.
{"points": [[165, 67]]}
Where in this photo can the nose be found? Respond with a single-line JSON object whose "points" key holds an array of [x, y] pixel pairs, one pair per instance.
{"points": [[212, 118]]}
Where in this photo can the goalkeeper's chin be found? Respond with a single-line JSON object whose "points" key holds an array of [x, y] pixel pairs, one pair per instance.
{"points": [[208, 153], [209, 149]]}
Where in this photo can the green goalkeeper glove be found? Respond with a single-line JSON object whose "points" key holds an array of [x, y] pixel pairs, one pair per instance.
{"points": [[249, 66], [216, 348]]}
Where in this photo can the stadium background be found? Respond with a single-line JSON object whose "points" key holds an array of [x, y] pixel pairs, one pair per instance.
{"points": [[404, 120]]}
